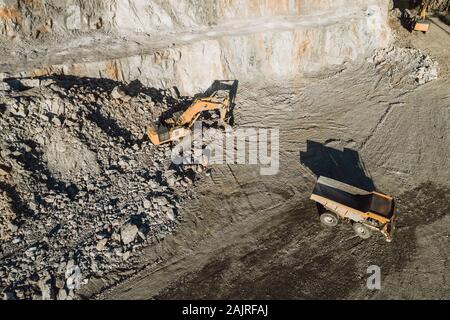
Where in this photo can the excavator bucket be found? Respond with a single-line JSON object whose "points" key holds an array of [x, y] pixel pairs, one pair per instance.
{"points": [[153, 135], [422, 25]]}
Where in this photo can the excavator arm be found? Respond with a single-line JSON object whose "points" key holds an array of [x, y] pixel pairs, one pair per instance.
{"points": [[198, 106], [424, 10], [177, 127]]}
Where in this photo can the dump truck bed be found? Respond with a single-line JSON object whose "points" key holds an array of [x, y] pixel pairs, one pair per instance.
{"points": [[353, 197]]}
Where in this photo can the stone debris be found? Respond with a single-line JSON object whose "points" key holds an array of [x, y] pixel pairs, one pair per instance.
{"points": [[128, 233], [101, 244], [440, 5], [7, 217], [46, 288], [4, 86], [82, 188], [118, 93], [405, 65], [4, 170]]}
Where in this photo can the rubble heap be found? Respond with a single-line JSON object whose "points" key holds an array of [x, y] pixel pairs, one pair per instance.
{"points": [[82, 188], [407, 65]]}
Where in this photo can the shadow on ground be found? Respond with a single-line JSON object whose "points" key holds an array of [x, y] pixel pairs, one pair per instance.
{"points": [[345, 166]]}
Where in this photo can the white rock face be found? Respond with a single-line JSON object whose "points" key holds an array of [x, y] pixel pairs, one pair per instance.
{"points": [[191, 43], [127, 17]]}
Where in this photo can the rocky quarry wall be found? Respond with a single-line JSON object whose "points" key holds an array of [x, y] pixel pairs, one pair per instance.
{"points": [[191, 43], [440, 5]]}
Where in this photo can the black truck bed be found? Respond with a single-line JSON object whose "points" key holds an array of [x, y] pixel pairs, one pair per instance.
{"points": [[352, 197]]}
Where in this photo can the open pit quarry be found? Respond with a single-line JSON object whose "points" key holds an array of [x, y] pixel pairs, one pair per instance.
{"points": [[91, 209]]}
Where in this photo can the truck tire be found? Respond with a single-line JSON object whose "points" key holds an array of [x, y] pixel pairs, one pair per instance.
{"points": [[362, 231], [329, 219]]}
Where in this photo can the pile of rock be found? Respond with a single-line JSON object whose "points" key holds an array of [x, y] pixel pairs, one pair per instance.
{"points": [[82, 187], [7, 217], [406, 64]]}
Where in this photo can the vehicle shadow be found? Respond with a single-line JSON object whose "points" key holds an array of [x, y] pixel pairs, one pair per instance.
{"points": [[406, 4], [345, 166], [229, 86]]}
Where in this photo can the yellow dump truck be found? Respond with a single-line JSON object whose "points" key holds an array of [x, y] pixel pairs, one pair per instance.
{"points": [[366, 211]]}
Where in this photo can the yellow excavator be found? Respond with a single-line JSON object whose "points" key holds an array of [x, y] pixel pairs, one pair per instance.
{"points": [[421, 22], [179, 124]]}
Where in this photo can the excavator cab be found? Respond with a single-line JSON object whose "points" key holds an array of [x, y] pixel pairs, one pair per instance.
{"points": [[158, 134], [163, 134]]}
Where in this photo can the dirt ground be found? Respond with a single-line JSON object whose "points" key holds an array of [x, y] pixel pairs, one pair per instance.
{"points": [[251, 236]]}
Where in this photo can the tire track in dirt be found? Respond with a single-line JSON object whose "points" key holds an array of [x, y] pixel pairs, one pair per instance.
{"points": [[246, 252]]}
